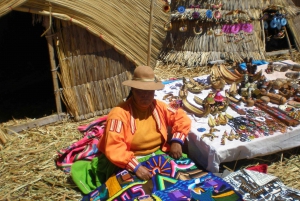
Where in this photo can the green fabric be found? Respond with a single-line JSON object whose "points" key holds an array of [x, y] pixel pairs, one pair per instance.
{"points": [[88, 175]]}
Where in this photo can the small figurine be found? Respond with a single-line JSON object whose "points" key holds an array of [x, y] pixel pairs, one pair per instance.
{"points": [[270, 68]]}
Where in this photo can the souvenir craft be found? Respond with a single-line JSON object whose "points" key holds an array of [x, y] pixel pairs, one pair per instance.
{"points": [[235, 28], [166, 7], [181, 9], [183, 28], [168, 26], [218, 32], [273, 23], [217, 15], [283, 21], [278, 25], [266, 25], [247, 27], [209, 14], [196, 15], [277, 113], [200, 29]]}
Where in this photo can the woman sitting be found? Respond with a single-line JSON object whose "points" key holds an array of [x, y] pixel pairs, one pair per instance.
{"points": [[136, 130]]}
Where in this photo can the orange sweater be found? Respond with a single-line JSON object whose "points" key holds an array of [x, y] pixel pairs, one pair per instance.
{"points": [[121, 127]]}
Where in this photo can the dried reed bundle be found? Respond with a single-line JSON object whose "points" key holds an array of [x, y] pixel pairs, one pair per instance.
{"points": [[28, 169]]}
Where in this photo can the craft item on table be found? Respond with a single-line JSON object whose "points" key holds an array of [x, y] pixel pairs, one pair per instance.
{"points": [[220, 102], [286, 91], [237, 108], [292, 75], [217, 120], [211, 135], [228, 75], [232, 93], [222, 119], [192, 85], [183, 93], [291, 111], [258, 186], [211, 121], [223, 140], [293, 103], [276, 98], [201, 129], [217, 82], [249, 102], [266, 99], [276, 113]]}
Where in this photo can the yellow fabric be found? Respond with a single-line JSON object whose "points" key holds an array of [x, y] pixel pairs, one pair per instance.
{"points": [[146, 139], [113, 185]]}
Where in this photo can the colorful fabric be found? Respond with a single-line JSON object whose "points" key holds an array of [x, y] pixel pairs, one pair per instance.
{"points": [[172, 180], [84, 149], [121, 127]]}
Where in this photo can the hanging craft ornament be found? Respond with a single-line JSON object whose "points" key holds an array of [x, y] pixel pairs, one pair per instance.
{"points": [[181, 9], [217, 15], [266, 25], [183, 28], [166, 7], [195, 14], [209, 14], [210, 32], [168, 26], [273, 23], [218, 32], [283, 21], [247, 27], [280, 35], [235, 28], [278, 25], [200, 29]]}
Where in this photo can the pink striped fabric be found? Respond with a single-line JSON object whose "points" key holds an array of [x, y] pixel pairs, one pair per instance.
{"points": [[84, 149]]}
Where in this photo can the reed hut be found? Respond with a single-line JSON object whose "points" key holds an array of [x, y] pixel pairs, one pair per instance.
{"points": [[231, 30], [95, 45]]}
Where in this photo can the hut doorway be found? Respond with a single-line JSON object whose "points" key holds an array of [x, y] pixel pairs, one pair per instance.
{"points": [[26, 87], [276, 29]]}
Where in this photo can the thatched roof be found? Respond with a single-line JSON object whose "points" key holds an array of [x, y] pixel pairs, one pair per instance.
{"points": [[122, 24]]}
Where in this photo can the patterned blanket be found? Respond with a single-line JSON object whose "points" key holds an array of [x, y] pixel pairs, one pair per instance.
{"points": [[173, 180]]}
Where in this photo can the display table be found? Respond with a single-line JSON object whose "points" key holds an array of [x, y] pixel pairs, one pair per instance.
{"points": [[210, 154]]}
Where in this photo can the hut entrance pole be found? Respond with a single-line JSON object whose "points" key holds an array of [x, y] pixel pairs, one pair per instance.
{"points": [[150, 32], [289, 42], [53, 67]]}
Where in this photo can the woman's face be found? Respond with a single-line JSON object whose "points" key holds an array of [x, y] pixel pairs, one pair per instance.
{"points": [[143, 98]]}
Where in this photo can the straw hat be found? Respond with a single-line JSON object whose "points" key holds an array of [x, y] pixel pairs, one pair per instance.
{"points": [[143, 78]]}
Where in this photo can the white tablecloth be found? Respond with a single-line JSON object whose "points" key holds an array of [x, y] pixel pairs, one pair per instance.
{"points": [[210, 154]]}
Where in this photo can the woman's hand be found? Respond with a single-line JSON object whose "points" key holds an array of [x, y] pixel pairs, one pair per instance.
{"points": [[143, 173], [176, 150]]}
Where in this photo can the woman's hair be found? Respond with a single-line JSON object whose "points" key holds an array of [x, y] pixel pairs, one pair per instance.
{"points": [[129, 95]]}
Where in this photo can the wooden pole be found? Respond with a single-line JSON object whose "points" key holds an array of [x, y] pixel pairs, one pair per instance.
{"points": [[289, 42], [150, 32], [53, 67]]}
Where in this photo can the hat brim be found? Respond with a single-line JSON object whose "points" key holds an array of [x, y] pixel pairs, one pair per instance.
{"points": [[144, 85]]}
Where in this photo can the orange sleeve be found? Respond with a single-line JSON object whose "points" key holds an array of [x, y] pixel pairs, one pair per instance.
{"points": [[113, 143]]}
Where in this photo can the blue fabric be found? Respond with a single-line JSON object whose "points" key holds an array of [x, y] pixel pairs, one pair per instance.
{"points": [[168, 81], [256, 62]]}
